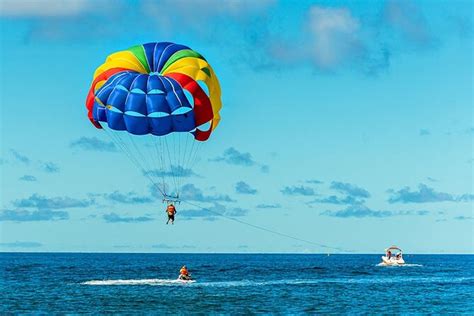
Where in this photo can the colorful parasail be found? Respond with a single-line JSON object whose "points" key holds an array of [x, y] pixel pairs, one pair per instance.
{"points": [[158, 90]]}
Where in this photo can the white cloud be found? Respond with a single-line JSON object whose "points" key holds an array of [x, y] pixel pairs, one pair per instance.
{"points": [[405, 17], [330, 37], [334, 35], [196, 16], [44, 8], [208, 8]]}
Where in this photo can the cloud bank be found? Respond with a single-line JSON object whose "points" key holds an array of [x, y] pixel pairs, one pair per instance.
{"points": [[115, 218], [268, 206], [21, 244], [32, 216], [244, 188], [232, 156], [213, 213], [298, 190], [360, 211], [425, 194], [41, 202], [127, 198], [28, 178], [192, 193], [93, 144]]}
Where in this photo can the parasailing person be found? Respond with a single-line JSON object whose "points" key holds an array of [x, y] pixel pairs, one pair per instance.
{"points": [[171, 211]]}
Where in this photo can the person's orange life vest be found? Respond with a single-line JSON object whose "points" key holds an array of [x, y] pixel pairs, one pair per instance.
{"points": [[183, 271], [171, 210]]}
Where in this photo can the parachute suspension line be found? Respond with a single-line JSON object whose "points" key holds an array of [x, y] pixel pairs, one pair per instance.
{"points": [[145, 152], [183, 158], [183, 149], [140, 154], [186, 162], [263, 228], [186, 136], [178, 170], [119, 142], [193, 154], [153, 156], [180, 167], [170, 162], [148, 171], [136, 162], [190, 142], [159, 158], [122, 146], [176, 160], [189, 160], [163, 162], [172, 171], [150, 166], [195, 159]]}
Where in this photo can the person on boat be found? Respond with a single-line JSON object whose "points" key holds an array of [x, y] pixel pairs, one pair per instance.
{"points": [[171, 211], [398, 256], [184, 273], [389, 254]]}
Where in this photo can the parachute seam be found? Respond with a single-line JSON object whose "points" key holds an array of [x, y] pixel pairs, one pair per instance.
{"points": [[174, 91], [164, 50], [110, 83], [164, 87]]}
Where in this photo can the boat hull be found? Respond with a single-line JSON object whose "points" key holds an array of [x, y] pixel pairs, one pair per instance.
{"points": [[392, 261]]}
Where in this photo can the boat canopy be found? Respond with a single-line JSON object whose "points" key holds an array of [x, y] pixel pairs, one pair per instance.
{"points": [[393, 248]]}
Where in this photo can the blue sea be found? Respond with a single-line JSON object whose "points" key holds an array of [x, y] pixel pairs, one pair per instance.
{"points": [[234, 284]]}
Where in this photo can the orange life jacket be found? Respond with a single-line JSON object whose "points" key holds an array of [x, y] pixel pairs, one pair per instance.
{"points": [[183, 271], [171, 209]]}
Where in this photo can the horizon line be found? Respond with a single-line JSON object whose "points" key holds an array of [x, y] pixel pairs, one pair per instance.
{"points": [[229, 253]]}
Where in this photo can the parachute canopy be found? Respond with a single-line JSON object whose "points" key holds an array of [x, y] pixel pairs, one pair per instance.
{"points": [[158, 89], [168, 94]]}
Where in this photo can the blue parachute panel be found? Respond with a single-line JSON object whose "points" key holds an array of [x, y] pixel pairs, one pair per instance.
{"points": [[183, 122], [136, 102], [115, 120], [149, 48], [157, 103], [144, 104], [160, 125], [137, 125], [162, 53]]}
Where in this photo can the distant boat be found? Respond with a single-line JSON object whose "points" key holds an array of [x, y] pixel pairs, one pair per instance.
{"points": [[391, 259]]}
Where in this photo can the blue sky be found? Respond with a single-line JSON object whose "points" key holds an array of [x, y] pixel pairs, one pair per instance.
{"points": [[348, 124]]}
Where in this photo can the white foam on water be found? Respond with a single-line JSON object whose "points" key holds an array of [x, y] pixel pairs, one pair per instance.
{"points": [[165, 282], [245, 283], [412, 265], [251, 283], [399, 265], [138, 282]]}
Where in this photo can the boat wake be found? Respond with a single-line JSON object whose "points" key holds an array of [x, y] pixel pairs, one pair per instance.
{"points": [[171, 282], [285, 282], [399, 265], [138, 282]]}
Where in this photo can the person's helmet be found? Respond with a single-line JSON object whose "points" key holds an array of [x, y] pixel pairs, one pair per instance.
{"points": [[184, 267]]}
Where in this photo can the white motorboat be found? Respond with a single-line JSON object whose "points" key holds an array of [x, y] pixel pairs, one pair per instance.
{"points": [[392, 259]]}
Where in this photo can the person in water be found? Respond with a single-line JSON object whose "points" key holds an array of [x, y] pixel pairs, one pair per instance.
{"points": [[184, 273], [171, 211]]}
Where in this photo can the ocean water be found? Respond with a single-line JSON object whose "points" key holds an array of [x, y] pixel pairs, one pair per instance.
{"points": [[234, 284]]}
